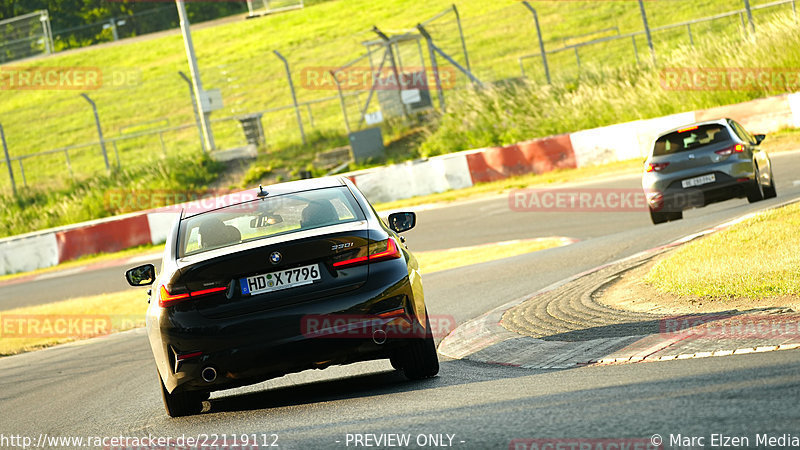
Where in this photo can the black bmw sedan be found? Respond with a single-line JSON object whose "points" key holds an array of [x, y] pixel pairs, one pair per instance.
{"points": [[302, 276]]}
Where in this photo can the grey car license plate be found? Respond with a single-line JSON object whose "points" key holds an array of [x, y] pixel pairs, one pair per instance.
{"points": [[698, 181]]}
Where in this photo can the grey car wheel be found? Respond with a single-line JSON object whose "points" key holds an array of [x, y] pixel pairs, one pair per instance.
{"points": [[660, 217]]}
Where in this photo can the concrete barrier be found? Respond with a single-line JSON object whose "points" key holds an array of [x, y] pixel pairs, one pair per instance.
{"points": [[534, 156], [26, 253], [413, 178], [110, 236]]}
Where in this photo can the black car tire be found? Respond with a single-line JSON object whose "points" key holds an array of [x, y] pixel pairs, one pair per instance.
{"points": [[419, 359], [182, 403], [397, 361], [756, 191], [658, 217], [770, 191]]}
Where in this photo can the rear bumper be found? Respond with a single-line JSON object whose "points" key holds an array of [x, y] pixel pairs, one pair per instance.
{"points": [[250, 348], [676, 198]]}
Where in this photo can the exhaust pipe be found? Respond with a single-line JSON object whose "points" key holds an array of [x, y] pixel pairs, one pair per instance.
{"points": [[209, 374], [379, 336]]}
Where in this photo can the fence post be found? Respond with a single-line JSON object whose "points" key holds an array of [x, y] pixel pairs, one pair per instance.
{"points": [[22, 171], [294, 96], [388, 44], [194, 108], [8, 161], [750, 16], [541, 42], [447, 57], [434, 66], [194, 71], [310, 115], [744, 27], [99, 130], [635, 49], [69, 164], [647, 31], [341, 101], [461, 33], [48, 34], [689, 29], [116, 153]]}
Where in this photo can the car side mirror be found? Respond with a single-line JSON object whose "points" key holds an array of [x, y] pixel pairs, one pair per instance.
{"points": [[759, 138], [402, 221], [141, 276]]}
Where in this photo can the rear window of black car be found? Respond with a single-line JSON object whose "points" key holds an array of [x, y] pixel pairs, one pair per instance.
{"points": [[690, 138], [271, 216]]}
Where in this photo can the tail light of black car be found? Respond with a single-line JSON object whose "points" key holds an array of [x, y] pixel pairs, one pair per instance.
{"points": [[167, 298], [374, 252]]}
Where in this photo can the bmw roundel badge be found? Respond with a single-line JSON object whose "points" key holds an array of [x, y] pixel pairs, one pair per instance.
{"points": [[275, 257]]}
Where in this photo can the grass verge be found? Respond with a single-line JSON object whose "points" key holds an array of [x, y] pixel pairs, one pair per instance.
{"points": [[34, 327], [152, 185], [758, 258], [23, 328]]}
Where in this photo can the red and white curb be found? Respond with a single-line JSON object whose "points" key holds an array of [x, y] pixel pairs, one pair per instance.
{"points": [[484, 339]]}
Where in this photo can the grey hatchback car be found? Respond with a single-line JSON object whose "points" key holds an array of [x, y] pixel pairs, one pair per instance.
{"points": [[703, 163]]}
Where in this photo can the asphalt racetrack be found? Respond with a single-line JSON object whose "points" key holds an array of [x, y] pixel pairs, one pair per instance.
{"points": [[108, 387]]}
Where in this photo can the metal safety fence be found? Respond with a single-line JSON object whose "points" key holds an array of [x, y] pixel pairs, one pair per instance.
{"points": [[334, 86]]}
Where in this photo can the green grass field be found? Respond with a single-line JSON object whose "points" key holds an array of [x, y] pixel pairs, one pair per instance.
{"points": [[142, 90], [758, 258]]}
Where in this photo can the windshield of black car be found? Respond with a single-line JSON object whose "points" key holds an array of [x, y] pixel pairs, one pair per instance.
{"points": [[690, 139], [267, 217]]}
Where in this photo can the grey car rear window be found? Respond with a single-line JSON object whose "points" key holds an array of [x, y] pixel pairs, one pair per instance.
{"points": [[690, 138]]}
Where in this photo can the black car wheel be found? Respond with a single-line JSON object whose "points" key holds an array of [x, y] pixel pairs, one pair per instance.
{"points": [[183, 403], [770, 191], [419, 359], [756, 191], [397, 361]]}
